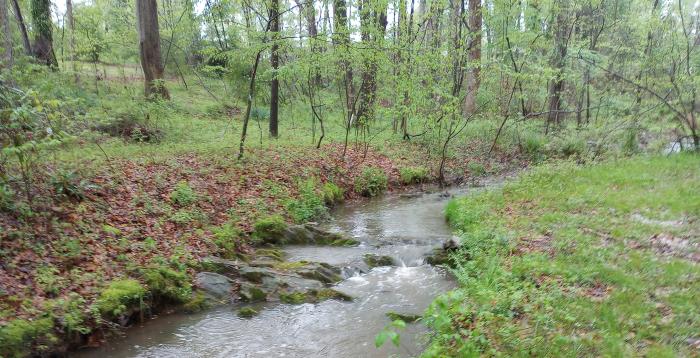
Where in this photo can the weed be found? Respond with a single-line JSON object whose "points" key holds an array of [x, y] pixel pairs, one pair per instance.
{"points": [[120, 297], [476, 169], [167, 284], [371, 182], [413, 175], [273, 225], [309, 205], [183, 195], [332, 194]]}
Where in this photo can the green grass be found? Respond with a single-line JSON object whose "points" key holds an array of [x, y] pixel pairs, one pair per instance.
{"points": [[557, 263]]}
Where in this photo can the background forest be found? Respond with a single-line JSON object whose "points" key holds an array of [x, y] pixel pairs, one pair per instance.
{"points": [[139, 136]]}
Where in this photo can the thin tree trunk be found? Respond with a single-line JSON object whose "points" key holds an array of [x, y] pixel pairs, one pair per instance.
{"points": [[22, 28], [149, 48], [71, 38], [371, 21], [341, 39], [560, 49], [274, 62], [474, 48], [43, 33], [7, 58]]}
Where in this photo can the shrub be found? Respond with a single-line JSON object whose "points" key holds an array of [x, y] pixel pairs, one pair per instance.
{"points": [[371, 182], [273, 225], [572, 147], [67, 185], [132, 124], [119, 297], [6, 198], [413, 175], [168, 284], [332, 193], [184, 217], [183, 194], [309, 205]]}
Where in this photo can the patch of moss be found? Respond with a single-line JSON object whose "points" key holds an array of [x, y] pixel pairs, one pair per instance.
{"points": [[227, 239], [247, 312], [294, 298], [408, 318], [344, 242], [19, 337], [274, 254], [198, 302], [119, 297], [287, 265], [413, 175], [168, 284], [329, 293], [270, 226], [373, 260], [252, 294]]}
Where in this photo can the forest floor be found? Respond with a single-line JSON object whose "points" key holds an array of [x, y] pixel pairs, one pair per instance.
{"points": [[570, 260]]}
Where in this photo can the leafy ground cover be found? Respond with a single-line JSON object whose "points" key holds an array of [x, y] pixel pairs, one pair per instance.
{"points": [[594, 260]]}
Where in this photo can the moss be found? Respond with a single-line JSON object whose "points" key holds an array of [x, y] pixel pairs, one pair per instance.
{"points": [[344, 242], [408, 318], [198, 302], [19, 337], [332, 194], [294, 298], [183, 195], [247, 312], [253, 294], [270, 226], [371, 182], [373, 260], [274, 254], [168, 284], [413, 175], [329, 293], [476, 169], [286, 265], [119, 297]]}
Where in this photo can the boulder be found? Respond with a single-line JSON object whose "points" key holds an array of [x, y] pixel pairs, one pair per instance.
{"points": [[374, 260], [215, 285], [306, 235]]}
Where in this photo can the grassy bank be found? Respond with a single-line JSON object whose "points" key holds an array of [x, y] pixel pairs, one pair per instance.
{"points": [[595, 260]]}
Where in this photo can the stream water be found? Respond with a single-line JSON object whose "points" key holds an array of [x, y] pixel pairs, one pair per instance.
{"points": [[405, 228]]}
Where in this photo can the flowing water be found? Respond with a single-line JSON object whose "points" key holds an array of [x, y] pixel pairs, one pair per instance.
{"points": [[403, 228]]}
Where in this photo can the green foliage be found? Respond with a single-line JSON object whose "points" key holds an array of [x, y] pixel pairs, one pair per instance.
{"points": [[309, 205], [119, 297], [390, 332], [371, 182], [67, 185], [247, 312], [188, 216], [413, 175], [167, 284], [49, 280], [6, 198], [227, 238], [18, 337], [332, 194], [183, 195], [534, 146], [272, 225], [198, 302], [573, 269]]}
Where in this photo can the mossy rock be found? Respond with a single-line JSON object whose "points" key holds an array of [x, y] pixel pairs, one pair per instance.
{"points": [[320, 271], [294, 298], [219, 265], [329, 294], [440, 257], [275, 254], [269, 228], [344, 242], [251, 293], [247, 312], [120, 297], [374, 260], [408, 318]]}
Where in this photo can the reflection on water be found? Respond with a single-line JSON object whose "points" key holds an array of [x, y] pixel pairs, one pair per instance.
{"points": [[403, 228]]}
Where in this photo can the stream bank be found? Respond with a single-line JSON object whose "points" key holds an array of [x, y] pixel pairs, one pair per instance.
{"points": [[404, 228]]}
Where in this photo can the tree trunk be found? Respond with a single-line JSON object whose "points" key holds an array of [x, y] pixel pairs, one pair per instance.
{"points": [[474, 49], [560, 49], [372, 22], [22, 28], [71, 38], [341, 38], [149, 49], [7, 57], [43, 33], [274, 62]]}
